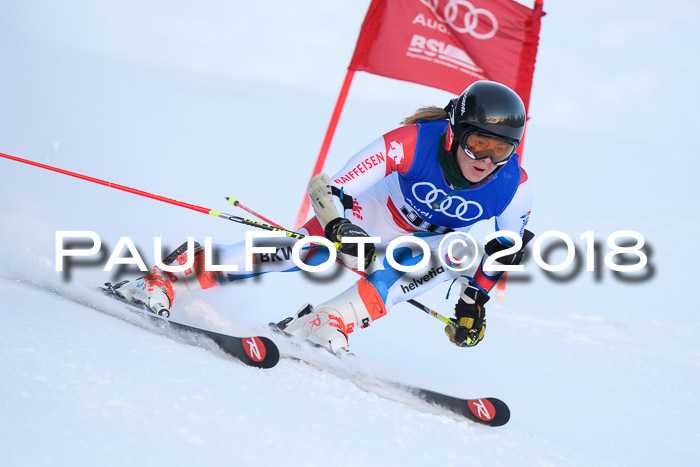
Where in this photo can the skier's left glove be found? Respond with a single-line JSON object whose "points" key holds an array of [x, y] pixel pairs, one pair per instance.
{"points": [[470, 316], [348, 252]]}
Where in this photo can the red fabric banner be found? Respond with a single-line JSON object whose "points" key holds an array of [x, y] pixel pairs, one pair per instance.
{"points": [[448, 44]]}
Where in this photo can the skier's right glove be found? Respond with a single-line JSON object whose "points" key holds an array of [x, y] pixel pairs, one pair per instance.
{"points": [[348, 252], [470, 316]]}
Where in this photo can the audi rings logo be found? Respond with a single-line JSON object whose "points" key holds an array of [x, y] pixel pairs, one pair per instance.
{"points": [[451, 206], [465, 22]]}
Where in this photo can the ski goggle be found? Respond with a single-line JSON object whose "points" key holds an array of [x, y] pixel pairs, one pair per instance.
{"points": [[482, 146]]}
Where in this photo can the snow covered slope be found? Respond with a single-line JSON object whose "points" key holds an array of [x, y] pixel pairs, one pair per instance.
{"points": [[91, 389], [179, 100]]}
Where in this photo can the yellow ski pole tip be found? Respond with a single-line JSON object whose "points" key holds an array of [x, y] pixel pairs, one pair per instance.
{"points": [[231, 200]]}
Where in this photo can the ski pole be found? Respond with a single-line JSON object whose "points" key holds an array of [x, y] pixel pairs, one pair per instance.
{"points": [[432, 312], [415, 303], [234, 202], [211, 212]]}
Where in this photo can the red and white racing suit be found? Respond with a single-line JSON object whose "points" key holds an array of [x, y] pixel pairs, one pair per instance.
{"points": [[398, 188]]}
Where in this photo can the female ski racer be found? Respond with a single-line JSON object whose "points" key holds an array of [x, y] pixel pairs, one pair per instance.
{"points": [[442, 171]]}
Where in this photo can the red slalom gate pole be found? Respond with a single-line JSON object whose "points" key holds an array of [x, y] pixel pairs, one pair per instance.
{"points": [[107, 184], [211, 212], [232, 201]]}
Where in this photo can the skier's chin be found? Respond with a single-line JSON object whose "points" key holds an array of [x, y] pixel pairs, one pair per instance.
{"points": [[476, 175]]}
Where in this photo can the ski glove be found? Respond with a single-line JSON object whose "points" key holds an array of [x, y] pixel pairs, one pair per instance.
{"points": [[469, 316], [348, 252]]}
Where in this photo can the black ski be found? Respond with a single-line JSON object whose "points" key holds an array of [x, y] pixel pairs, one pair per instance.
{"points": [[487, 411], [257, 351]]}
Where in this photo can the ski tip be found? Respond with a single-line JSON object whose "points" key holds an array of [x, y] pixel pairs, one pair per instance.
{"points": [[256, 351], [260, 352], [489, 411]]}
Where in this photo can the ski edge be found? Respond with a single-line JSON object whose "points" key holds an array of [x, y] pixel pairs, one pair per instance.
{"points": [[489, 411], [255, 351]]}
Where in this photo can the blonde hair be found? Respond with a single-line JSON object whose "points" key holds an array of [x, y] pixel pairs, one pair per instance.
{"points": [[428, 113]]}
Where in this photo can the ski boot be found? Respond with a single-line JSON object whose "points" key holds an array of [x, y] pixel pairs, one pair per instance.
{"points": [[153, 292], [329, 324], [320, 327], [156, 292]]}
